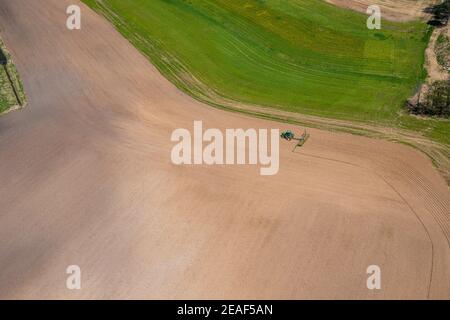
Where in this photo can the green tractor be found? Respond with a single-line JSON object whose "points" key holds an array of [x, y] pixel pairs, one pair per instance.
{"points": [[289, 135]]}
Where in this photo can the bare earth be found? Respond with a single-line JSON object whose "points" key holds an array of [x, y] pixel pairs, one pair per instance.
{"points": [[86, 179], [395, 10], [434, 69]]}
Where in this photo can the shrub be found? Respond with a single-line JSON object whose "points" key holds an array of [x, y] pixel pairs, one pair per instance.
{"points": [[442, 50], [436, 101], [440, 13]]}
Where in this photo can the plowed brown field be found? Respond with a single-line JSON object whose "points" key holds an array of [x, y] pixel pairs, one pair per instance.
{"points": [[86, 179]]}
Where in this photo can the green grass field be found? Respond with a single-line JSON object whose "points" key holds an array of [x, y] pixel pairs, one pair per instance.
{"points": [[5, 102], [7, 96], [304, 56]]}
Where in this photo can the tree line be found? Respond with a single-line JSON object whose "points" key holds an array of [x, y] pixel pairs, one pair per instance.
{"points": [[434, 102]]}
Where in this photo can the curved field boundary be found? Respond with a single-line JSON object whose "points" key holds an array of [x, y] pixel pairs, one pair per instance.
{"points": [[427, 136]]}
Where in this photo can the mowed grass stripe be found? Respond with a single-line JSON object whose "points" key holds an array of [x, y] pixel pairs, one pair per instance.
{"points": [[303, 56]]}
